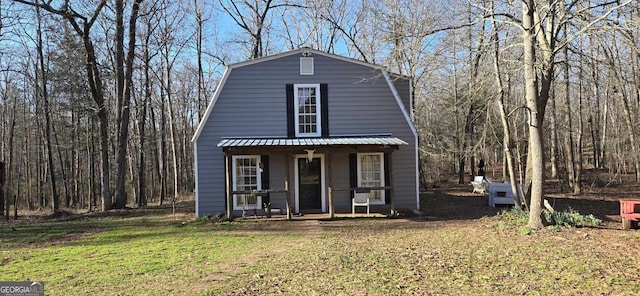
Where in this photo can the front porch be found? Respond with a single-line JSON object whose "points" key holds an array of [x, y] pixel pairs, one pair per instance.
{"points": [[319, 179]]}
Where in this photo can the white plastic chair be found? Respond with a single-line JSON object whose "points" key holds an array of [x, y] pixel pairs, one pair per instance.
{"points": [[360, 199], [480, 184]]}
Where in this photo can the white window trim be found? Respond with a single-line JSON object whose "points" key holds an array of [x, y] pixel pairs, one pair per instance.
{"points": [[382, 200], [318, 110], [258, 204]]}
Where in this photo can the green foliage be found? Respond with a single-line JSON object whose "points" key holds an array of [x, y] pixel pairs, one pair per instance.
{"points": [[518, 217], [515, 216], [570, 218], [526, 230]]}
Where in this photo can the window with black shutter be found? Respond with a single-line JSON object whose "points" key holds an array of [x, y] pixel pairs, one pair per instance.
{"points": [[370, 170], [307, 110]]}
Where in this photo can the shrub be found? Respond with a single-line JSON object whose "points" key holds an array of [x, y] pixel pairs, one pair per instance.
{"points": [[570, 218], [512, 218], [516, 217]]}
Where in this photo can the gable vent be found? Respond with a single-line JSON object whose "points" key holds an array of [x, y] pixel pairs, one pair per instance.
{"points": [[306, 65]]}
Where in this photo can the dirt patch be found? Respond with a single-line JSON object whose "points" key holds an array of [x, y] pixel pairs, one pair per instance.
{"points": [[63, 239], [600, 196], [446, 205], [183, 209]]}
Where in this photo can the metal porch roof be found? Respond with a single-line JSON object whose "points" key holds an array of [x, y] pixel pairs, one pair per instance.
{"points": [[330, 141]]}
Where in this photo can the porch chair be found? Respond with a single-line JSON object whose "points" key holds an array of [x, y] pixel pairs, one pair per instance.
{"points": [[480, 184], [360, 199], [246, 206]]}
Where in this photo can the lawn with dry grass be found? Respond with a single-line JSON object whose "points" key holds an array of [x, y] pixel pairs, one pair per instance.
{"points": [[459, 247]]}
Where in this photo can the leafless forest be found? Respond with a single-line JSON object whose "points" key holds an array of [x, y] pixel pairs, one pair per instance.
{"points": [[99, 99]]}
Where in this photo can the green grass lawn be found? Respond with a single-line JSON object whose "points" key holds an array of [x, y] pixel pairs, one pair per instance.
{"points": [[151, 254]]}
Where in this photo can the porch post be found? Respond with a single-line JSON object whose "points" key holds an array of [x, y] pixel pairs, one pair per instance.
{"points": [[330, 191], [391, 191], [286, 184], [228, 174]]}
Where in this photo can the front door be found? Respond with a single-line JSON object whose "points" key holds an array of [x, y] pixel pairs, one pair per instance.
{"points": [[310, 185]]}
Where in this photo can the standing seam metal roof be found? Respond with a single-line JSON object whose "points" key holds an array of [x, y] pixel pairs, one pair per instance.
{"points": [[265, 142]]}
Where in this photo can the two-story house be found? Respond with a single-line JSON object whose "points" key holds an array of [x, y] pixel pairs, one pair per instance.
{"points": [[287, 129]]}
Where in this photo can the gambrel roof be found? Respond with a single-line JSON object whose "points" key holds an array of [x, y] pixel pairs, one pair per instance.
{"points": [[301, 51]]}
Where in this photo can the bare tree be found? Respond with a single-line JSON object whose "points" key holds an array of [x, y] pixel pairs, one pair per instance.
{"points": [[171, 45], [252, 17], [542, 23], [124, 84], [82, 24], [507, 140], [147, 56]]}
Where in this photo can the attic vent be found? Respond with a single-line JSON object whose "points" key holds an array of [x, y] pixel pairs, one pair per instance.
{"points": [[306, 65]]}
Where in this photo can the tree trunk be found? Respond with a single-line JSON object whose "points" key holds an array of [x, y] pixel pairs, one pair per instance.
{"points": [[506, 140], [594, 113], [172, 131], [459, 136], [95, 85], [27, 158], [199, 34], [535, 163], [47, 115], [142, 197], [156, 149], [631, 134], [577, 186], [163, 148], [569, 141], [553, 129], [124, 85], [63, 168], [603, 142], [122, 112], [91, 156], [7, 169]]}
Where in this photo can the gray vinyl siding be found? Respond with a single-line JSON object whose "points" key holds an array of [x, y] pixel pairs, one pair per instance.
{"points": [[252, 103], [403, 86], [340, 167]]}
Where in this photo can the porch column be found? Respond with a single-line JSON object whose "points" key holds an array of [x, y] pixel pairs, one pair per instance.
{"points": [[286, 184], [392, 191], [330, 191], [228, 174]]}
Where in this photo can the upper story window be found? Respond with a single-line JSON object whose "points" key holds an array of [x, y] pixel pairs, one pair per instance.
{"points": [[307, 109]]}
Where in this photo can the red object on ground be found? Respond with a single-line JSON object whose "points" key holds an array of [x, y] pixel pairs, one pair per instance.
{"points": [[629, 212]]}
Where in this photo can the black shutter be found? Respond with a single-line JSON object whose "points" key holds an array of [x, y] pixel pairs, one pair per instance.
{"points": [[224, 160], [324, 109], [291, 129], [353, 171], [264, 160], [387, 180]]}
